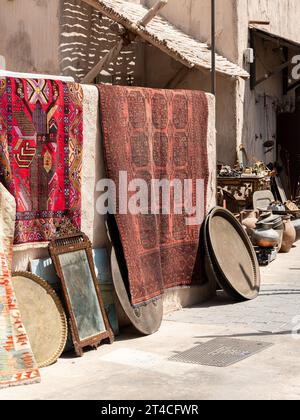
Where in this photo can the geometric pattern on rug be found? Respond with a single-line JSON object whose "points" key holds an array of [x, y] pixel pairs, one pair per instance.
{"points": [[41, 154]]}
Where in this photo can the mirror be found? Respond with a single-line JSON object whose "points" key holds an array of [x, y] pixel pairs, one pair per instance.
{"points": [[73, 260], [82, 294]]}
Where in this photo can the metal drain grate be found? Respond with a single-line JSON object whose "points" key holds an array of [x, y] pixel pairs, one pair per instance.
{"points": [[221, 352]]}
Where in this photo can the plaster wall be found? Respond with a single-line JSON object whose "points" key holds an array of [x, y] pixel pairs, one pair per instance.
{"points": [[283, 15], [67, 37], [36, 36], [55, 37], [194, 18], [29, 35], [244, 119], [253, 128]]}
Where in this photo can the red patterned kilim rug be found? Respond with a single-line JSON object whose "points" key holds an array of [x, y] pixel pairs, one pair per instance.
{"points": [[41, 153], [17, 364], [156, 134]]}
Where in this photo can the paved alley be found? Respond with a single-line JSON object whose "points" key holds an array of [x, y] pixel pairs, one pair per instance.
{"points": [[139, 367]]}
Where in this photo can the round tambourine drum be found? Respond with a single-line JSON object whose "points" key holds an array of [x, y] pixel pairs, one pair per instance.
{"points": [[43, 317]]}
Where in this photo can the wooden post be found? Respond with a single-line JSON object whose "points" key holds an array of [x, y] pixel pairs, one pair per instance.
{"points": [[108, 58], [213, 48], [115, 51], [153, 12]]}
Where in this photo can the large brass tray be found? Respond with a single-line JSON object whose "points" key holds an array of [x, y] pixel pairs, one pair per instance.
{"points": [[230, 256], [43, 317]]}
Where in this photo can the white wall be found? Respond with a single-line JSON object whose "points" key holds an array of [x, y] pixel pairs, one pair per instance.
{"points": [[194, 18], [284, 17], [29, 34]]}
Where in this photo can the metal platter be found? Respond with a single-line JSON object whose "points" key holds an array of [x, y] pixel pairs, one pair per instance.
{"points": [[146, 319], [230, 256], [43, 317]]}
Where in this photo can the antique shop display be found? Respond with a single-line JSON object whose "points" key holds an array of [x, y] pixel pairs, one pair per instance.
{"points": [[164, 135], [244, 187], [43, 317], [231, 258], [71, 252], [41, 153], [45, 269], [17, 363]]}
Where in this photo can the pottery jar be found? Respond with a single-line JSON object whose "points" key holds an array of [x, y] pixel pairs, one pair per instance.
{"points": [[296, 224], [289, 235], [265, 236], [249, 222]]}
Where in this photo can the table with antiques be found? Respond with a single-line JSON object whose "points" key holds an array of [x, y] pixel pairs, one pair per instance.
{"points": [[241, 188]]}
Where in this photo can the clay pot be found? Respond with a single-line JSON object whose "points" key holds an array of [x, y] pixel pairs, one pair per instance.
{"points": [[296, 224], [277, 224], [249, 222], [280, 230], [266, 237], [289, 235]]}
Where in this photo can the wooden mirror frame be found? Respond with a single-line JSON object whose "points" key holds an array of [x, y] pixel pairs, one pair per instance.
{"points": [[64, 243]]}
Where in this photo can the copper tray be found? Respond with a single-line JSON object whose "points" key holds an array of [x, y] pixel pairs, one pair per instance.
{"points": [[230, 256]]}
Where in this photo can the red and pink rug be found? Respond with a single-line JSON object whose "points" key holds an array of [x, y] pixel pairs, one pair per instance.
{"points": [[41, 153], [156, 134]]}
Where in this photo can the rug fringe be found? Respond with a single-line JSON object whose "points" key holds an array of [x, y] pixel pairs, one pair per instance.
{"points": [[21, 383]]}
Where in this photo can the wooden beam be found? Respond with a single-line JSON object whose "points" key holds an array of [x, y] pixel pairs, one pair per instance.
{"points": [[281, 42], [259, 22], [115, 51], [153, 12], [110, 56], [136, 30], [273, 72], [293, 86], [146, 19]]}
